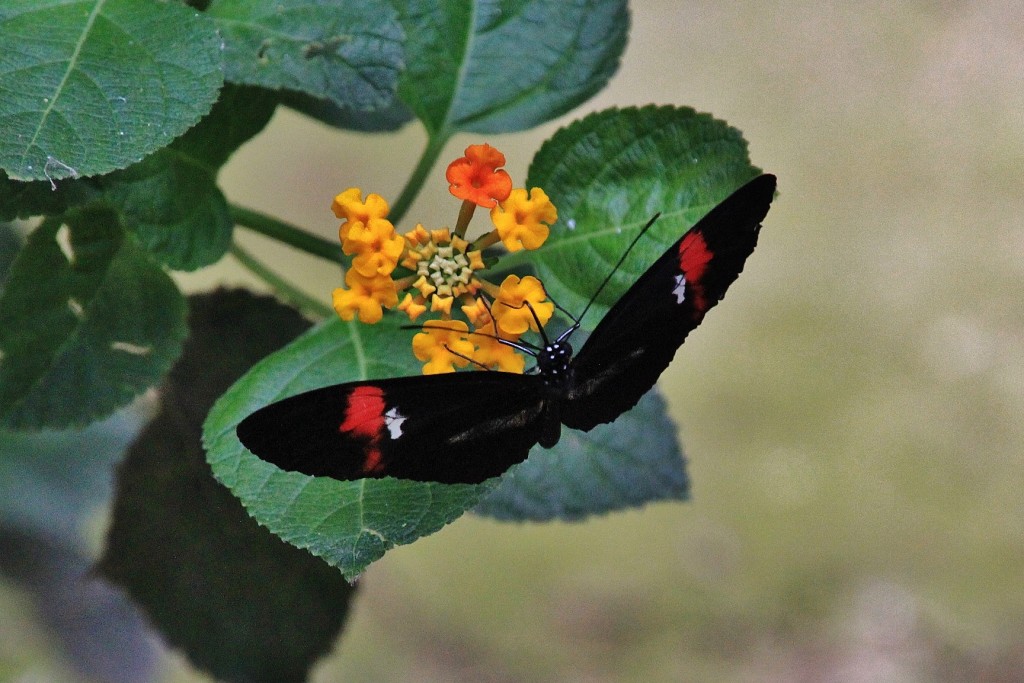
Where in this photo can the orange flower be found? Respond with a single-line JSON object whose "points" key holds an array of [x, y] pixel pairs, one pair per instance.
{"points": [[476, 177]]}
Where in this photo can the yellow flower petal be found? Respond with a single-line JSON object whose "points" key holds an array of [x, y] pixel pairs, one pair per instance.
{"points": [[425, 287], [411, 307], [350, 206], [417, 236], [510, 308], [442, 344], [476, 259], [492, 353], [522, 222], [442, 304], [477, 314], [365, 296]]}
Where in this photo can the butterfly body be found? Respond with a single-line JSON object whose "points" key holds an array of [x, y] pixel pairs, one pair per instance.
{"points": [[467, 427]]}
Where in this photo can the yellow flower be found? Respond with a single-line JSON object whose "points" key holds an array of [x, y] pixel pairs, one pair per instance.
{"points": [[350, 206], [411, 307], [444, 267], [522, 222], [443, 345], [477, 313], [376, 245], [442, 304], [436, 270], [491, 353], [516, 298], [365, 296]]}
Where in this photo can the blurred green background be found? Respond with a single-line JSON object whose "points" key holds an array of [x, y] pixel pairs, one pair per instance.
{"points": [[851, 414]]}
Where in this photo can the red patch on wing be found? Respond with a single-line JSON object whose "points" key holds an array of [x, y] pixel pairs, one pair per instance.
{"points": [[364, 417], [374, 461], [364, 414], [694, 257]]}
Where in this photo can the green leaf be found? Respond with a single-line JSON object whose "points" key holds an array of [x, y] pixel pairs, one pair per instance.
{"points": [[344, 50], [27, 199], [87, 322], [174, 208], [239, 114], [492, 67], [90, 87], [347, 523], [184, 548], [630, 462], [608, 174], [386, 120], [170, 200], [10, 244]]}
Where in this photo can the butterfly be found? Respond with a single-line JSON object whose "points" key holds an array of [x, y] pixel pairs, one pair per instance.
{"points": [[466, 427]]}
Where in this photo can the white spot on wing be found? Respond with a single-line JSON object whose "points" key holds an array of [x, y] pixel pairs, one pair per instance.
{"points": [[393, 419], [680, 289]]}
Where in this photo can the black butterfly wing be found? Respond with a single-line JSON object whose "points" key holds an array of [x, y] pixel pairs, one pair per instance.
{"points": [[636, 340], [450, 428]]}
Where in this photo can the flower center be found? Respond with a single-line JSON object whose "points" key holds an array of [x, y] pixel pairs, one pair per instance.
{"points": [[448, 270]]}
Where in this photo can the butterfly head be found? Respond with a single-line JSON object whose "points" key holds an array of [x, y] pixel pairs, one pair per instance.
{"points": [[554, 363]]}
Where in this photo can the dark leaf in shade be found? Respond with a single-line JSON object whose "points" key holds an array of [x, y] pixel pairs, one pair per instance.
{"points": [[244, 605]]}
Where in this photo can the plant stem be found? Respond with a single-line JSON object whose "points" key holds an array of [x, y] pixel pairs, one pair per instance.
{"points": [[282, 287], [287, 233], [435, 145]]}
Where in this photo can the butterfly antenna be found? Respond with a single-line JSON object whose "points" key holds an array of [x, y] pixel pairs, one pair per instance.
{"points": [[561, 310], [519, 345], [608, 277], [465, 357], [524, 346], [540, 326]]}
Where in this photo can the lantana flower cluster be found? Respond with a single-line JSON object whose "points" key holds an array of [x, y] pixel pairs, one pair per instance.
{"points": [[441, 271]]}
